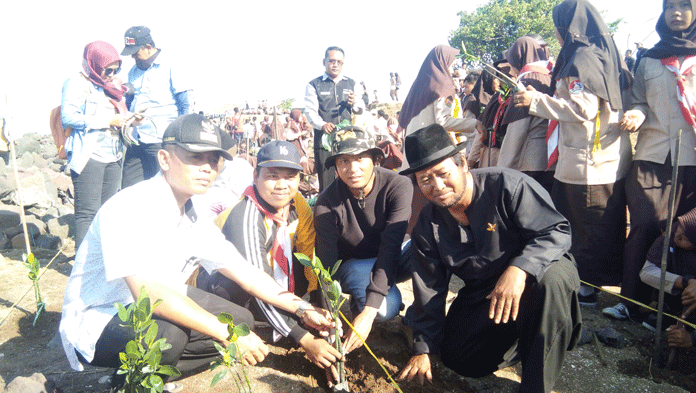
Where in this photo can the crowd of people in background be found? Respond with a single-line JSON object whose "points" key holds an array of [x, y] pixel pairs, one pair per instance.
{"points": [[520, 189]]}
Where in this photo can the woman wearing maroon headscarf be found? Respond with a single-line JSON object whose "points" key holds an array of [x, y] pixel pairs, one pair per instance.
{"points": [[94, 107]]}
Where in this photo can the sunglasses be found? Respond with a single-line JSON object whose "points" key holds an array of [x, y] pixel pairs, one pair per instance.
{"points": [[109, 71]]}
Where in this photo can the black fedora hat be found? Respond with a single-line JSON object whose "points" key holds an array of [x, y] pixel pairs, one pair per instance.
{"points": [[428, 146]]}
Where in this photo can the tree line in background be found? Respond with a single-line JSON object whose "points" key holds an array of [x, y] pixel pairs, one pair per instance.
{"points": [[493, 27]]}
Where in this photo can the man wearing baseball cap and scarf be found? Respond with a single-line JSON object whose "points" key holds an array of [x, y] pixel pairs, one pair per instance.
{"points": [[148, 237], [497, 230], [267, 226]]}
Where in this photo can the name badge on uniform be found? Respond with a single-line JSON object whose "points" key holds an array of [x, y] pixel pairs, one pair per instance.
{"points": [[324, 93], [576, 87]]}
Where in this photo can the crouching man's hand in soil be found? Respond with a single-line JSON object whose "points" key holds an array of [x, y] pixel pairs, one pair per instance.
{"points": [[253, 349], [418, 365]]}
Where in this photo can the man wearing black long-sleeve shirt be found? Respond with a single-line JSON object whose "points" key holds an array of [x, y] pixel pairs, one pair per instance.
{"points": [[498, 231], [361, 219]]}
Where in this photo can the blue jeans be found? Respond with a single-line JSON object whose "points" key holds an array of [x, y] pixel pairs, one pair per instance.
{"points": [[354, 277], [93, 186]]}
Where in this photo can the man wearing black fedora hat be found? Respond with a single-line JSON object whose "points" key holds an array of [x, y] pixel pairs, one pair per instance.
{"points": [[497, 230]]}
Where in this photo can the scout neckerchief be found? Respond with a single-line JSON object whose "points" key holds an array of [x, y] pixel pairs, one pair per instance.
{"points": [[552, 143], [282, 247], [685, 88]]}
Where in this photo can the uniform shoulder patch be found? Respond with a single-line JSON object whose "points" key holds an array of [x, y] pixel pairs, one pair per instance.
{"points": [[449, 100], [576, 87]]}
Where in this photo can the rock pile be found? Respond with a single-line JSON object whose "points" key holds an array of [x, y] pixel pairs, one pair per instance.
{"points": [[46, 193]]}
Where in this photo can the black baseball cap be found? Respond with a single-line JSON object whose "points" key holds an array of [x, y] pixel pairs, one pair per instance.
{"points": [[278, 154], [134, 38], [194, 133]]}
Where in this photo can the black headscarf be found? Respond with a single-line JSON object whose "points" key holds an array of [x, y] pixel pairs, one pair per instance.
{"points": [[674, 43], [480, 95], [589, 52], [433, 81], [526, 50]]}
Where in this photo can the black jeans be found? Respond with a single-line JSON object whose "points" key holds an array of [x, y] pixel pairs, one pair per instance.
{"points": [[325, 175], [140, 163], [548, 324], [96, 183], [190, 349]]}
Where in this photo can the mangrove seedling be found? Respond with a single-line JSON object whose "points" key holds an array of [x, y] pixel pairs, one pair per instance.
{"points": [[230, 356], [141, 360], [31, 263], [331, 292]]}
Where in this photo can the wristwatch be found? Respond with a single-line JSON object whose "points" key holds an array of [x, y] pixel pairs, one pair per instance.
{"points": [[685, 280], [302, 308]]}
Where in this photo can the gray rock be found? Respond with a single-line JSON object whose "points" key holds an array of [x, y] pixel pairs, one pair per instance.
{"points": [[60, 227], [37, 383], [35, 227], [28, 144], [40, 162], [36, 190], [18, 242], [48, 242], [26, 160], [612, 337], [9, 216], [5, 243]]}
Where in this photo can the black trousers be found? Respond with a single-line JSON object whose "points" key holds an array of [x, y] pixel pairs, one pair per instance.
{"points": [[190, 349], [548, 324], [96, 183], [647, 192], [597, 216], [325, 175], [140, 163]]}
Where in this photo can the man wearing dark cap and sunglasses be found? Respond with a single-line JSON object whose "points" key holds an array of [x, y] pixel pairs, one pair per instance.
{"points": [[497, 230], [148, 237], [159, 93]]}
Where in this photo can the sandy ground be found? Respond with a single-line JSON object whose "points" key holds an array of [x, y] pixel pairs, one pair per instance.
{"points": [[25, 349]]}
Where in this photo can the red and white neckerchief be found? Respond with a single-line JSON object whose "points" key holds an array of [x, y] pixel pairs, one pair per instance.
{"points": [[282, 246], [544, 67], [552, 143], [685, 88]]}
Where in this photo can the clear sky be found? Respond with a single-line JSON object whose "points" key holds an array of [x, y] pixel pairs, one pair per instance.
{"points": [[236, 51]]}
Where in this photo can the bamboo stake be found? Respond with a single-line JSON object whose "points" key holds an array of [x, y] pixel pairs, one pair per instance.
{"points": [[665, 251], [19, 186]]}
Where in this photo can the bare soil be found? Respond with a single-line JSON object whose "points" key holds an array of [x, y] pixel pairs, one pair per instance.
{"points": [[26, 349]]}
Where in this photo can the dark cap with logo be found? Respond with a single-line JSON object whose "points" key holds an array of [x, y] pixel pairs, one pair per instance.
{"points": [[134, 38], [194, 133], [279, 154]]}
